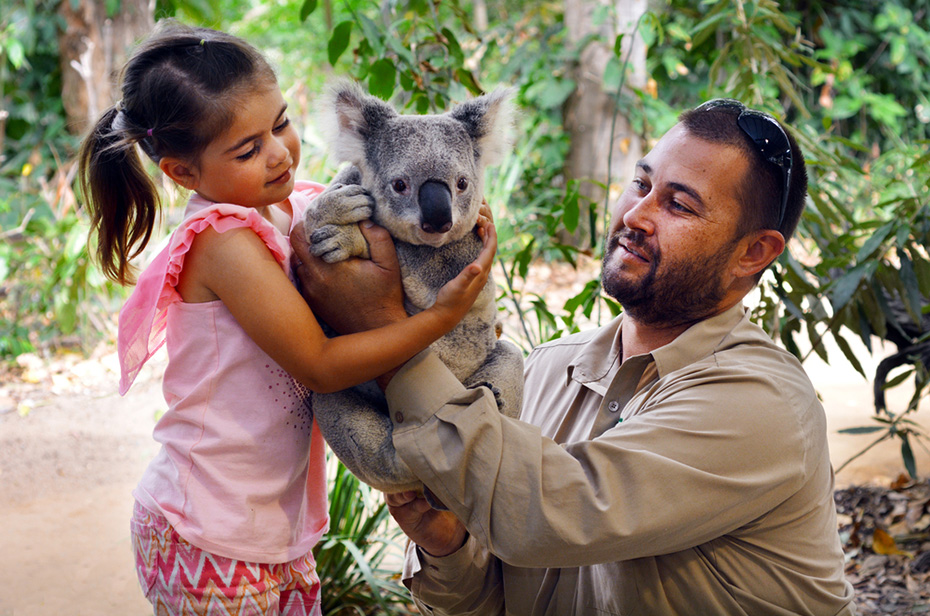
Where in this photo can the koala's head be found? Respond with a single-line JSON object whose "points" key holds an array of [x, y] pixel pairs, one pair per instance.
{"points": [[426, 173]]}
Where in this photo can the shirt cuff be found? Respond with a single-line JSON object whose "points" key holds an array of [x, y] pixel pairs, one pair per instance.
{"points": [[420, 388], [450, 568]]}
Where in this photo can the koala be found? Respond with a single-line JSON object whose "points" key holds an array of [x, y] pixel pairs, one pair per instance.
{"points": [[421, 177]]}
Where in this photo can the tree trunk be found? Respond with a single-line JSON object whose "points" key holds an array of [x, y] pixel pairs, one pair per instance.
{"points": [[480, 16], [589, 112], [93, 48]]}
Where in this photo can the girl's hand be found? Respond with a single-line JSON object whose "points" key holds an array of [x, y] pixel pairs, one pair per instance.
{"points": [[485, 210], [456, 297]]}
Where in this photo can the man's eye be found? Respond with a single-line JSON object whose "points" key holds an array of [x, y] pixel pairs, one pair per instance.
{"points": [[681, 207]]}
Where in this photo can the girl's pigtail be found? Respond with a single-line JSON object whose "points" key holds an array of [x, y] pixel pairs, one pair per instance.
{"points": [[121, 198]]}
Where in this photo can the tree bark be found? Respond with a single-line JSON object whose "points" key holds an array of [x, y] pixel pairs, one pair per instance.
{"points": [[589, 112], [93, 48]]}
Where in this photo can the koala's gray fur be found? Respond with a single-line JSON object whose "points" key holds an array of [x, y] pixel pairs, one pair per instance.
{"points": [[422, 179]]}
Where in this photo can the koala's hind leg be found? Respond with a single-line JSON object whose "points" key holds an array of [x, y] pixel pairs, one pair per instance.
{"points": [[356, 426], [502, 373]]}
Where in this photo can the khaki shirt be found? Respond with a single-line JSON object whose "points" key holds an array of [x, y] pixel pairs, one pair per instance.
{"points": [[692, 480]]}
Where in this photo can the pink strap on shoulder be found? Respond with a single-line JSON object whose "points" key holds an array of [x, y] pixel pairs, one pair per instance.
{"points": [[141, 325]]}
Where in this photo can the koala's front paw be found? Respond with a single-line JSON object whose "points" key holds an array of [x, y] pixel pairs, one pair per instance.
{"points": [[340, 204], [498, 395], [334, 243]]}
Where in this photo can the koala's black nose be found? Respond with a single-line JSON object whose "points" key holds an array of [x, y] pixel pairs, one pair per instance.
{"points": [[435, 207]]}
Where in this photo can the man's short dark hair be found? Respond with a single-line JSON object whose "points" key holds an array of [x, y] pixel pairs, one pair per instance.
{"points": [[760, 191]]}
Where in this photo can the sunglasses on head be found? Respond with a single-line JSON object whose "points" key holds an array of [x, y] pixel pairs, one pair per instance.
{"points": [[768, 136]]}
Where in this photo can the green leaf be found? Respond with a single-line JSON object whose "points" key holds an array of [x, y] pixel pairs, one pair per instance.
{"points": [[521, 261], [849, 354], [467, 79], [372, 35], [382, 78], [15, 53], [909, 279], [618, 45], [612, 74], [907, 455], [874, 241], [571, 210], [306, 9], [923, 160], [921, 270], [862, 430], [550, 93], [339, 41], [452, 44], [846, 285], [898, 379]]}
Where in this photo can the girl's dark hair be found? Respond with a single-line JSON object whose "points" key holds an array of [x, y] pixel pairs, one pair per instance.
{"points": [[179, 90]]}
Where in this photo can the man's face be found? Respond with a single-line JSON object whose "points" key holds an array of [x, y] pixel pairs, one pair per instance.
{"points": [[670, 250]]}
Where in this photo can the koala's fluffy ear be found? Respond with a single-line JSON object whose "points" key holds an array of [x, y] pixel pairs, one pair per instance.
{"points": [[488, 120], [351, 116]]}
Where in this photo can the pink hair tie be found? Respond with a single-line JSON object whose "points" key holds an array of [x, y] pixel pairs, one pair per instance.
{"points": [[149, 132]]}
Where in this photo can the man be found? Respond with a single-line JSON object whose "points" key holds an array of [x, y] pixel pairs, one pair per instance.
{"points": [[673, 461]]}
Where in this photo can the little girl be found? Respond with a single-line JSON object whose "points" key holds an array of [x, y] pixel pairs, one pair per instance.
{"points": [[228, 511]]}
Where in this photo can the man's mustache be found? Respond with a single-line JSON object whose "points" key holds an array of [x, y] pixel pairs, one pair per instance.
{"points": [[635, 241]]}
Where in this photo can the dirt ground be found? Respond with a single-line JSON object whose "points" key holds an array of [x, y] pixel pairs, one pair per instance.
{"points": [[71, 451]]}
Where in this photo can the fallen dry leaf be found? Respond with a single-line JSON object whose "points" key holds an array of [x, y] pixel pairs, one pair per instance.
{"points": [[883, 543]]}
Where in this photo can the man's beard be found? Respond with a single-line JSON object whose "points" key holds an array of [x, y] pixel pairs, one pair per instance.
{"points": [[684, 292]]}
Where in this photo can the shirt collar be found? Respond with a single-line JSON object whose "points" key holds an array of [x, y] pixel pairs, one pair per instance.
{"points": [[595, 362], [698, 341]]}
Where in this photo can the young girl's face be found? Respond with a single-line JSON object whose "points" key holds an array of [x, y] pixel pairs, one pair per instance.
{"points": [[253, 163]]}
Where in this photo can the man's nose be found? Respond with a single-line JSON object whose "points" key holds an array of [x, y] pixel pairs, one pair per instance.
{"points": [[640, 213]]}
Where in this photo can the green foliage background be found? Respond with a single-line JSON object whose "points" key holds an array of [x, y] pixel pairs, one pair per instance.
{"points": [[853, 80]]}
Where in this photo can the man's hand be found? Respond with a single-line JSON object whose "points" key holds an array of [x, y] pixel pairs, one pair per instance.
{"points": [[439, 533], [353, 295]]}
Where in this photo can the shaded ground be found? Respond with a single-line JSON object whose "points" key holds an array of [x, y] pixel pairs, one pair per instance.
{"points": [[71, 451], [886, 538]]}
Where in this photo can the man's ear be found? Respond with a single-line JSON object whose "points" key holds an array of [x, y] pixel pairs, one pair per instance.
{"points": [[181, 172], [759, 249]]}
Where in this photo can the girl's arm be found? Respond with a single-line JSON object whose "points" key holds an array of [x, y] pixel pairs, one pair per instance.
{"points": [[237, 268]]}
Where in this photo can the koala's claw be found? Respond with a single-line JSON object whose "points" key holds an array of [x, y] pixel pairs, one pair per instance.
{"points": [[342, 204], [498, 395], [322, 234], [326, 243]]}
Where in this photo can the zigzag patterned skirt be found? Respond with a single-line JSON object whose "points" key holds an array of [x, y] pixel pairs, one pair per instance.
{"points": [[180, 579]]}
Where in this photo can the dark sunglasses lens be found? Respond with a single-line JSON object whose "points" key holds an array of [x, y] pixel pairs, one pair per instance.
{"points": [[769, 137]]}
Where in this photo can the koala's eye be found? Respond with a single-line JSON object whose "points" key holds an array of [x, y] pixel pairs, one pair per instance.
{"points": [[462, 184], [399, 186]]}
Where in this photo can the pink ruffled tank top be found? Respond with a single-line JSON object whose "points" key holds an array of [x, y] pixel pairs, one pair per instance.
{"points": [[241, 469]]}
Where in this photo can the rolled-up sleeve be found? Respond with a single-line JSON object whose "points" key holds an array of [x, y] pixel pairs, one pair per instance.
{"points": [[466, 582]]}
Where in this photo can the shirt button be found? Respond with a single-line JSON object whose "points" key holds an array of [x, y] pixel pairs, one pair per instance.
{"points": [[399, 417], [614, 406]]}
